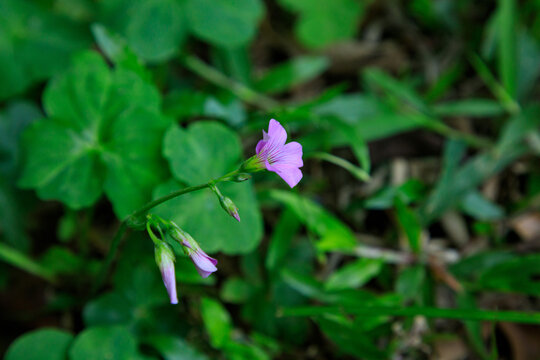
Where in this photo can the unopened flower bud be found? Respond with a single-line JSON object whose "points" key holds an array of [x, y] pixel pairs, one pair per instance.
{"points": [[228, 205], [165, 261], [241, 177], [204, 264]]}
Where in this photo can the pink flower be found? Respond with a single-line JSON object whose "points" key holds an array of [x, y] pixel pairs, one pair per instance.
{"points": [[275, 155], [165, 261], [204, 264]]}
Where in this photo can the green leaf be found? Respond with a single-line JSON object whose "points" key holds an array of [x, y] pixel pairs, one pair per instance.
{"points": [[410, 282], [349, 338], [235, 290], [410, 223], [107, 132], [456, 182], [104, 343], [280, 242], [240, 351], [323, 23], [291, 73], [200, 214], [371, 118], [109, 309], [205, 151], [399, 90], [469, 107], [173, 348], [33, 53], [154, 29], [470, 268], [42, 344], [517, 275], [13, 120], [118, 52], [60, 260], [507, 29], [217, 322], [334, 234], [227, 23], [354, 275], [476, 205]]}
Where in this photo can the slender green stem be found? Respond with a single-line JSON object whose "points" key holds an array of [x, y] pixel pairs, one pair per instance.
{"points": [[22, 261], [431, 312], [113, 250], [167, 197], [358, 172], [102, 276], [243, 92]]}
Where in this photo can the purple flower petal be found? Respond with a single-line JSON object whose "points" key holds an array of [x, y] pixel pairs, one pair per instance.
{"points": [[276, 133], [260, 145], [283, 159], [291, 174], [168, 275], [290, 154], [204, 264]]}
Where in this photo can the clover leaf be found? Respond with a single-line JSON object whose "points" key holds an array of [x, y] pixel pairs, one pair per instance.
{"points": [[102, 133], [34, 44], [204, 151]]}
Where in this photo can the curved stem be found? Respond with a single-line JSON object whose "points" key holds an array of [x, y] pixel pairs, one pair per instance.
{"points": [[167, 197], [141, 212]]}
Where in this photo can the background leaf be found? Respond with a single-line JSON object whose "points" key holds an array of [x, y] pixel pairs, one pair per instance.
{"points": [[43, 344]]}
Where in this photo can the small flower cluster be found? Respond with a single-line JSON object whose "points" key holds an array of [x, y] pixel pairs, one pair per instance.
{"points": [[164, 254], [273, 155]]}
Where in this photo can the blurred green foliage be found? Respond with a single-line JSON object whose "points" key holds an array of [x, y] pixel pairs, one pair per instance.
{"points": [[419, 122]]}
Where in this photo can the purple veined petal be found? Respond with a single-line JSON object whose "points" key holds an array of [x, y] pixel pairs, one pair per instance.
{"points": [[276, 135], [260, 146], [204, 264], [169, 280], [291, 174], [265, 136], [290, 155]]}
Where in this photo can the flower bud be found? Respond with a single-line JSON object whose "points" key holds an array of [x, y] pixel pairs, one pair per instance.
{"points": [[240, 177], [228, 205], [204, 264], [165, 261]]}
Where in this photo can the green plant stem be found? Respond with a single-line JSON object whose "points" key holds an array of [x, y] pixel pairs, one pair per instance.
{"points": [[243, 92], [154, 203], [358, 172], [22, 261], [431, 312], [113, 250]]}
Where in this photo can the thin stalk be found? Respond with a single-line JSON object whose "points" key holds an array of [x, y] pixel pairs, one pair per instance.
{"points": [[22, 261], [358, 172], [243, 92], [154, 203], [430, 312], [139, 213]]}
